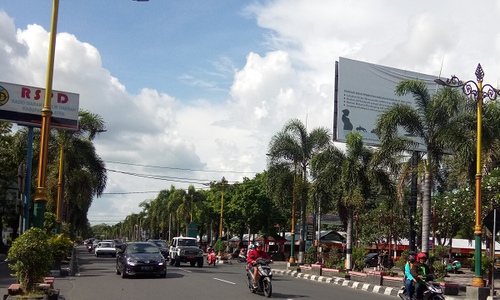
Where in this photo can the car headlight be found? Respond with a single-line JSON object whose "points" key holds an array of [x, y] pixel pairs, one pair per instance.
{"points": [[160, 263], [200, 252], [131, 262], [181, 252]]}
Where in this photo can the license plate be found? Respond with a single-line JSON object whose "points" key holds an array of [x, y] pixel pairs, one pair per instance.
{"points": [[149, 268], [190, 256]]}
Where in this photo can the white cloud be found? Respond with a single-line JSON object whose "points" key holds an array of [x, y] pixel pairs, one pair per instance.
{"points": [[293, 80]]}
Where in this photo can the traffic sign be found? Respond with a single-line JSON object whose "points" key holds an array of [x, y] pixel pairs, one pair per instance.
{"points": [[491, 221]]}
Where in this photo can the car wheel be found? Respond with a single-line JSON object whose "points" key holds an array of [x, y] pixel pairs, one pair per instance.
{"points": [[124, 273], [200, 262], [177, 261], [163, 275]]}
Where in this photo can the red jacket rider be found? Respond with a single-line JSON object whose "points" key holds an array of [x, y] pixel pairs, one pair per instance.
{"points": [[254, 254]]}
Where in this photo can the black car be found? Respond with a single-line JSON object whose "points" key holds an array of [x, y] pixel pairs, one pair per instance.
{"points": [[163, 246], [118, 243], [371, 260], [140, 258]]}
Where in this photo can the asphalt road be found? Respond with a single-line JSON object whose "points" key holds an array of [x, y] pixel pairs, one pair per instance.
{"points": [[96, 279]]}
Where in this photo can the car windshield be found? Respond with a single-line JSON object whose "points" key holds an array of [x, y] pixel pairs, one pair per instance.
{"points": [[142, 248], [106, 245], [188, 243], [161, 244]]}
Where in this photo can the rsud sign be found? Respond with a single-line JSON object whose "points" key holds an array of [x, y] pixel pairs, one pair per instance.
{"points": [[26, 93], [23, 104]]}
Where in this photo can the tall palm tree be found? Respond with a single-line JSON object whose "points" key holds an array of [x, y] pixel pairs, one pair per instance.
{"points": [[84, 175], [429, 121], [291, 150]]}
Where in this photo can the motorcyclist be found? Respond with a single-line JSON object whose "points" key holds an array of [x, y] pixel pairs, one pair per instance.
{"points": [[252, 258], [418, 270], [409, 278]]}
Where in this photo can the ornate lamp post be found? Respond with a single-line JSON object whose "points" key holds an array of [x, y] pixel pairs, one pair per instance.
{"points": [[41, 190], [221, 210], [292, 244], [479, 92]]}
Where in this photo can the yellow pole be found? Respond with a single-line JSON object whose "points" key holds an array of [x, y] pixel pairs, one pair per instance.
{"points": [[191, 208], [41, 191], [292, 244], [221, 210], [478, 279], [59, 188]]}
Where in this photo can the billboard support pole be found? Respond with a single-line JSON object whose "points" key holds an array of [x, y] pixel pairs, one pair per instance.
{"points": [[413, 200], [27, 188], [41, 190]]}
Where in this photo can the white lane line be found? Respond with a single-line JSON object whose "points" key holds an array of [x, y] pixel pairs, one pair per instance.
{"points": [[224, 280], [185, 270]]}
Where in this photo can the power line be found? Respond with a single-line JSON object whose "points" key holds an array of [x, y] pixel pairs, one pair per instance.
{"points": [[181, 169]]}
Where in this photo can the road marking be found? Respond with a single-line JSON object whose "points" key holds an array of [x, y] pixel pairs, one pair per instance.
{"points": [[185, 270], [224, 280]]}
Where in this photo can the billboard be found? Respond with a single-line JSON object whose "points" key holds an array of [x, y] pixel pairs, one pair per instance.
{"points": [[363, 91], [23, 104]]}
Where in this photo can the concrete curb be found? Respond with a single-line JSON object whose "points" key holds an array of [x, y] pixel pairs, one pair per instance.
{"points": [[389, 291], [349, 283]]}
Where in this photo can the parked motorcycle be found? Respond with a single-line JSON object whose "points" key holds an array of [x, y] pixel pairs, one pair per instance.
{"points": [[454, 267], [89, 248], [264, 283], [433, 290], [211, 258]]}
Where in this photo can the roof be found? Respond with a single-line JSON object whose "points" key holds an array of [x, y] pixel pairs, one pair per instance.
{"points": [[185, 238]]}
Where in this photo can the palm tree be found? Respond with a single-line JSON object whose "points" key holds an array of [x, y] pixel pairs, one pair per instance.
{"points": [[84, 172], [291, 150], [429, 121], [359, 177]]}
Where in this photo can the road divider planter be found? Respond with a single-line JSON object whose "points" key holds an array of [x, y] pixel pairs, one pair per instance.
{"points": [[335, 273], [358, 276]]}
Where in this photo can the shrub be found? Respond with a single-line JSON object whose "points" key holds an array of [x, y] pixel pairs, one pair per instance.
{"points": [[439, 269], [219, 246], [311, 255], [33, 255], [358, 257], [401, 262], [333, 259], [486, 263], [61, 245]]}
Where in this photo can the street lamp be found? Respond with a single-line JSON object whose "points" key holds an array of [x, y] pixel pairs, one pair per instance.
{"points": [[221, 210], [41, 190], [292, 260], [478, 91]]}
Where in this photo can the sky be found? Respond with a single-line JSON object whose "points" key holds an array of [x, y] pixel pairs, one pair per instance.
{"points": [[192, 91]]}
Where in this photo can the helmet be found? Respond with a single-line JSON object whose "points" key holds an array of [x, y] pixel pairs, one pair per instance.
{"points": [[258, 245], [252, 246], [421, 255], [411, 258]]}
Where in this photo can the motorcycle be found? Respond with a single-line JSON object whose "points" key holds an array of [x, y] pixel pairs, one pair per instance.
{"points": [[211, 258], [454, 267], [242, 257], [89, 248], [264, 283], [433, 290]]}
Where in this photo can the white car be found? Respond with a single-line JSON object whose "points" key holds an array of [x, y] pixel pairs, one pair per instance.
{"points": [[105, 248]]}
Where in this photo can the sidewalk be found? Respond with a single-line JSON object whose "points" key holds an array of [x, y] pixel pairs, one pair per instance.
{"points": [[463, 279]]}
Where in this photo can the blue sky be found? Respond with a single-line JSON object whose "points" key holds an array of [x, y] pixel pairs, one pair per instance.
{"points": [[185, 50], [204, 85]]}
